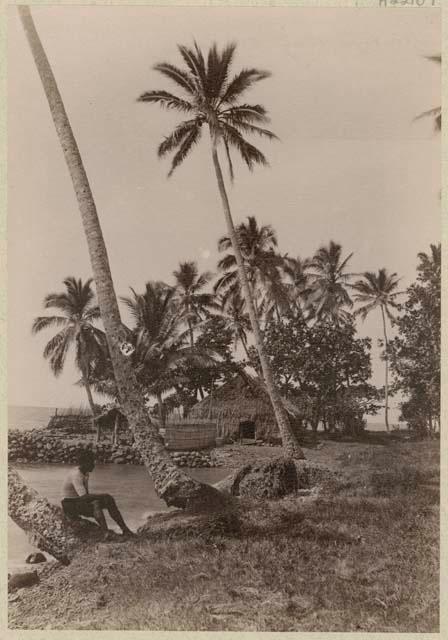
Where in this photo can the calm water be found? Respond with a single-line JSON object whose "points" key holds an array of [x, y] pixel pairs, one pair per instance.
{"points": [[130, 485], [24, 418]]}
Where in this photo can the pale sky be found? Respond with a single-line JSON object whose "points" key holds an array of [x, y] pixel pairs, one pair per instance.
{"points": [[351, 164]]}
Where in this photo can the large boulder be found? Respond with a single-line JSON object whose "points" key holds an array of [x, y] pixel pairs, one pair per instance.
{"points": [[266, 480], [277, 478], [21, 580]]}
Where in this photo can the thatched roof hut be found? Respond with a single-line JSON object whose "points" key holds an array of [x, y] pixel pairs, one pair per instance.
{"points": [[244, 399], [77, 421]]}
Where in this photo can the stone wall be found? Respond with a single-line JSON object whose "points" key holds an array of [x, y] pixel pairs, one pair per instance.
{"points": [[39, 446]]}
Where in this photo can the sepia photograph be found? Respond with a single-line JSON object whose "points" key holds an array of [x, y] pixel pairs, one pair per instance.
{"points": [[224, 318]]}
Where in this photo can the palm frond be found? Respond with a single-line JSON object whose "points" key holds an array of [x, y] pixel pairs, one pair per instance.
{"points": [[227, 262], [55, 342], [241, 82], [93, 313], [224, 243], [178, 76], [250, 113], [365, 309], [59, 301], [167, 100], [437, 58], [192, 139], [250, 128], [196, 65], [177, 136], [57, 358], [45, 322], [221, 70], [228, 281], [250, 154]]}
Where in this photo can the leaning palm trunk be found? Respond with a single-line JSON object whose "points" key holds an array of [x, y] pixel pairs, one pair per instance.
{"points": [[386, 382], [45, 524], [96, 424], [289, 439], [173, 486]]}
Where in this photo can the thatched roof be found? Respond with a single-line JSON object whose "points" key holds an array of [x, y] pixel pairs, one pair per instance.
{"points": [[244, 398]]}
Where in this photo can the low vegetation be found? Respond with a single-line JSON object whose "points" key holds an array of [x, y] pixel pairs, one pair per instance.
{"points": [[361, 555]]}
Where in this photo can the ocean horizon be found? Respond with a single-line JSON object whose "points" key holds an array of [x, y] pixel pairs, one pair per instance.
{"points": [[25, 417]]}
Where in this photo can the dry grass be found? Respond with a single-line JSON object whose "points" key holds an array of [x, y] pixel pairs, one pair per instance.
{"points": [[363, 556]]}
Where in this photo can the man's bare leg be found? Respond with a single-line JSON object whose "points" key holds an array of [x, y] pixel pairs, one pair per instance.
{"points": [[111, 506], [99, 515]]}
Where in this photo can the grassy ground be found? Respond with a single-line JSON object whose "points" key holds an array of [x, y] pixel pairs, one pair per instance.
{"points": [[361, 556]]}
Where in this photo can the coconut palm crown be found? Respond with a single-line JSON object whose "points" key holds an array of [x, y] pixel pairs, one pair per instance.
{"points": [[211, 97], [257, 244], [377, 290], [328, 297], [194, 303], [78, 311]]}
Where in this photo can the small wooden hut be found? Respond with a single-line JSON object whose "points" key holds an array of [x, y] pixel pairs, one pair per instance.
{"points": [[71, 422], [242, 406]]}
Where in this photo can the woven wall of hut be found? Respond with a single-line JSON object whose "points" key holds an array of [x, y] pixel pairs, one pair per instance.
{"points": [[190, 435]]}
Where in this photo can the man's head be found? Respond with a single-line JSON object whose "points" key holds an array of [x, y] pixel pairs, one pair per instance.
{"points": [[86, 461]]}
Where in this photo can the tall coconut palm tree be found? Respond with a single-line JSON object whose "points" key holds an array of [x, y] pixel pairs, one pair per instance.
{"points": [[328, 298], [193, 302], [78, 312], [378, 291], [172, 485], [212, 99]]}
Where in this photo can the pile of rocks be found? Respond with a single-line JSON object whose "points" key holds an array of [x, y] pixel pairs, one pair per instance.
{"points": [[39, 446]]}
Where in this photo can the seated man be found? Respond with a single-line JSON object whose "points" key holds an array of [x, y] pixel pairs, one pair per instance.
{"points": [[77, 501]]}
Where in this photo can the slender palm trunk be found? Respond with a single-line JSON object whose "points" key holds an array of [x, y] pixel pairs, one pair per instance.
{"points": [[386, 366], [191, 334], [173, 486], [95, 422], [289, 439], [244, 343], [161, 410], [190, 331], [45, 523]]}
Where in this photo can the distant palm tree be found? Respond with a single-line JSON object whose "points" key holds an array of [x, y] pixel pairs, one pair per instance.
{"points": [[378, 290], [297, 275], [262, 265], [431, 262], [236, 319], [436, 112], [160, 342], [211, 99], [78, 312], [193, 302], [328, 298]]}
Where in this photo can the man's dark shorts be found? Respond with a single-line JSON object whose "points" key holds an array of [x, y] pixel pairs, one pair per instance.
{"points": [[83, 506]]}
